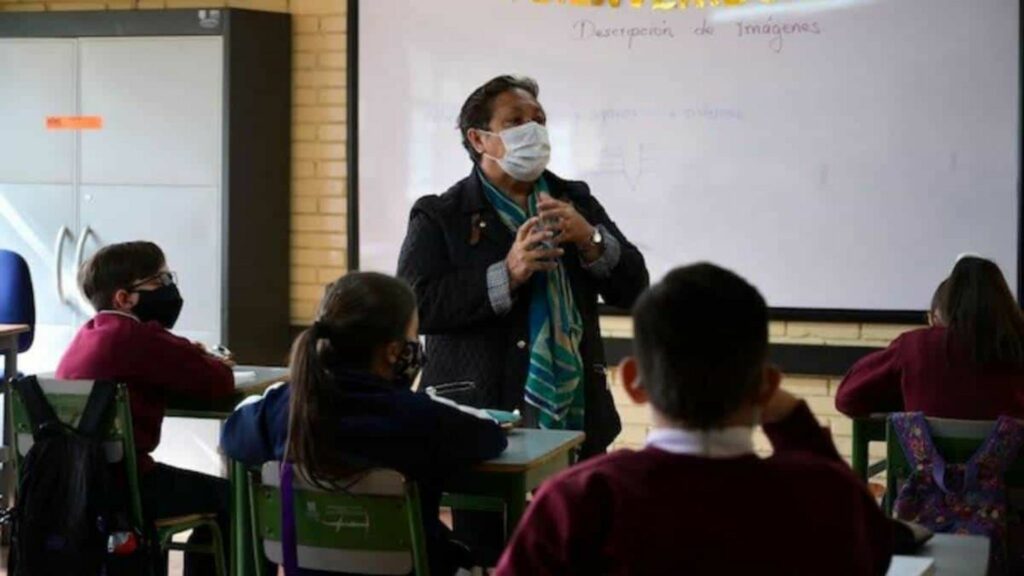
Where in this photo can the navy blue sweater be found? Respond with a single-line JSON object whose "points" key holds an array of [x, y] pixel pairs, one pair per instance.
{"points": [[379, 425]]}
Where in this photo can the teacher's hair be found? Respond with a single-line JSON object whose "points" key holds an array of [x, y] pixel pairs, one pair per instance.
{"points": [[983, 315], [478, 109], [701, 343], [359, 315]]}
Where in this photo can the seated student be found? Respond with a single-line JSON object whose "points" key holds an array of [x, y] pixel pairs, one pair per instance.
{"points": [[349, 405], [129, 340], [696, 499], [969, 364]]}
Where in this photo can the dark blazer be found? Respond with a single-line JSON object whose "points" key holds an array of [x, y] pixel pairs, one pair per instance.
{"points": [[452, 240]]}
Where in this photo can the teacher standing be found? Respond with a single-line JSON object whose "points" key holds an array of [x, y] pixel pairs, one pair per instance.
{"points": [[507, 266]]}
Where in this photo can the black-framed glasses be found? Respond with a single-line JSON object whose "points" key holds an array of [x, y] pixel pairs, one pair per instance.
{"points": [[164, 278]]}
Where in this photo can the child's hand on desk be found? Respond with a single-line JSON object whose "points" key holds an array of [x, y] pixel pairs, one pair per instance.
{"points": [[219, 352]]}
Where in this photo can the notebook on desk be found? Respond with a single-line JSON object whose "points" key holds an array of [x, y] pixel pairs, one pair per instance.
{"points": [[911, 566], [244, 376]]}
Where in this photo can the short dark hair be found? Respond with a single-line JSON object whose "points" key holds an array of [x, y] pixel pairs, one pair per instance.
{"points": [[983, 315], [115, 267], [701, 341], [478, 109]]}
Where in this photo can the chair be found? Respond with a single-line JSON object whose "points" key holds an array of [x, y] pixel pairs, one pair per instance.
{"points": [[865, 431], [17, 303], [955, 440], [68, 399], [373, 526]]}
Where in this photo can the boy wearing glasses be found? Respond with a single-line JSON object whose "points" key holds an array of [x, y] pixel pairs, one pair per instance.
{"points": [[129, 340]]}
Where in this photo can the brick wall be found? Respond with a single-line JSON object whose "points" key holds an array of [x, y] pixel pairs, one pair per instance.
{"points": [[318, 226]]}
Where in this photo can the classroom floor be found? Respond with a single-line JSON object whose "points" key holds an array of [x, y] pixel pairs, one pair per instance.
{"points": [[174, 565]]}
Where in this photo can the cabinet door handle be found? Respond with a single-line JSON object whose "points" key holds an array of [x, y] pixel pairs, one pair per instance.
{"points": [[80, 251], [58, 250]]}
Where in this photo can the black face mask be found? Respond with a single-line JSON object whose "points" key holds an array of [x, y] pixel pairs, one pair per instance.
{"points": [[162, 305], [409, 364]]}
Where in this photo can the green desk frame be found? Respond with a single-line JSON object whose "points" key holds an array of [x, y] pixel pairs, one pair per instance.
{"points": [[532, 457]]}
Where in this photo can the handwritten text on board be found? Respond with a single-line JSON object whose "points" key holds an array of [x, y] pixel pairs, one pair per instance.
{"points": [[655, 4]]}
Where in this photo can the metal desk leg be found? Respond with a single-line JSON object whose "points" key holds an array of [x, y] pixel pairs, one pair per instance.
{"points": [[8, 482], [241, 548], [515, 504], [10, 348]]}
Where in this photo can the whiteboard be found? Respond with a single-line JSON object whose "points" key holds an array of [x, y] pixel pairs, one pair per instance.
{"points": [[837, 153]]}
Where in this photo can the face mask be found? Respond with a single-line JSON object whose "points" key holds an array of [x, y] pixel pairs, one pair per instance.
{"points": [[162, 305], [527, 151], [409, 363]]}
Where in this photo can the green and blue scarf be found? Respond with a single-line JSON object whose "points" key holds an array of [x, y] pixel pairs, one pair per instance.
{"points": [[554, 382]]}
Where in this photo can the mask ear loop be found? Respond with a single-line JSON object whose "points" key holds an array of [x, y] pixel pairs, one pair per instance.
{"points": [[492, 135]]}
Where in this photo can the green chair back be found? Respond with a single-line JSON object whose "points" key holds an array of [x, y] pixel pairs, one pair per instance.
{"points": [[68, 399], [866, 430], [955, 440], [373, 526]]}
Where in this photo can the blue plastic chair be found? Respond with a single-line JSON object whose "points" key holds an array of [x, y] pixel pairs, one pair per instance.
{"points": [[17, 303]]}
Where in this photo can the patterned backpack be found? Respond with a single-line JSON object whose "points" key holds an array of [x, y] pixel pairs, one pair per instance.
{"points": [[968, 498]]}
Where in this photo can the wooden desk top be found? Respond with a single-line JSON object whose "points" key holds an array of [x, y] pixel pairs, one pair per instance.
{"points": [[13, 329], [529, 448]]}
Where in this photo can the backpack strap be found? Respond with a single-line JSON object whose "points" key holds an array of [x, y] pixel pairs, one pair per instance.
{"points": [[101, 398], [997, 452], [916, 440], [289, 538], [41, 416]]}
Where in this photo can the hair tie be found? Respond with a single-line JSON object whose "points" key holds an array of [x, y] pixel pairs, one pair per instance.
{"points": [[320, 330]]}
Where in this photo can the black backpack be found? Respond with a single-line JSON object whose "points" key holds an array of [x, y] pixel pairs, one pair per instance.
{"points": [[68, 505]]}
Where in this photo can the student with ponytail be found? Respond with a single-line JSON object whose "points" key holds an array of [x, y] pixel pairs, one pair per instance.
{"points": [[349, 405], [968, 365]]}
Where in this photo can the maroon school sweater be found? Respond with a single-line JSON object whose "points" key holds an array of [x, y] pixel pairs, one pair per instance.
{"points": [[923, 371], [152, 362], [800, 511]]}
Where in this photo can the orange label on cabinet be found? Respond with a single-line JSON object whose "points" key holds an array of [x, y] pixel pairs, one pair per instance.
{"points": [[74, 122]]}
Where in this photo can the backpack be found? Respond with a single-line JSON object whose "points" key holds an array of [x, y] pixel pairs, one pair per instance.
{"points": [[968, 498], [68, 511]]}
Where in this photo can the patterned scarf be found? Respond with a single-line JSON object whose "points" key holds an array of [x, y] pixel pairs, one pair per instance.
{"points": [[555, 376]]}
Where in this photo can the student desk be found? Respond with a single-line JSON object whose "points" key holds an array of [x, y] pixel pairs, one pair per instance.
{"points": [[9, 334], [954, 555], [532, 457], [260, 378]]}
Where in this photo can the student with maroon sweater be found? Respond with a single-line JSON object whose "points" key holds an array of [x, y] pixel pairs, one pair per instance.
{"points": [[696, 499], [129, 340], [969, 364]]}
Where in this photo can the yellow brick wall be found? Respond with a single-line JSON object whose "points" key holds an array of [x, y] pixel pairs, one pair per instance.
{"points": [[819, 390], [319, 172]]}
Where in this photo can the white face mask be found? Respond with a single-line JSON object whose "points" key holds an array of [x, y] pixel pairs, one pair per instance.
{"points": [[527, 151]]}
